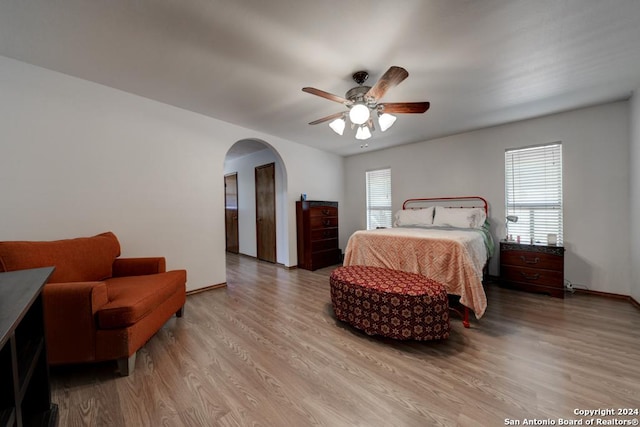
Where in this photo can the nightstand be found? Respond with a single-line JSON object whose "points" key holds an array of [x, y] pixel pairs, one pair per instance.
{"points": [[534, 268]]}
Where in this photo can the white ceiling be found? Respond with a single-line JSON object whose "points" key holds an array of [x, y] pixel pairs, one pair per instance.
{"points": [[479, 62]]}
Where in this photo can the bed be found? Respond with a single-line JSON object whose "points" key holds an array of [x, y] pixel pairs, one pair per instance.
{"points": [[446, 239]]}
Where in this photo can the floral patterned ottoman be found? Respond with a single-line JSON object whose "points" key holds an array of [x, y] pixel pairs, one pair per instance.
{"points": [[391, 303]]}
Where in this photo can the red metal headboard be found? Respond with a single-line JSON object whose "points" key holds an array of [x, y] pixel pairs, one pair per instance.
{"points": [[449, 202]]}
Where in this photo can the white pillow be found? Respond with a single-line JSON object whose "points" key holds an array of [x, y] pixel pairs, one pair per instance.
{"points": [[459, 217], [419, 217]]}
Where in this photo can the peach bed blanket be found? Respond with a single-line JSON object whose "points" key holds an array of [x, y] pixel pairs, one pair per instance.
{"points": [[454, 258]]}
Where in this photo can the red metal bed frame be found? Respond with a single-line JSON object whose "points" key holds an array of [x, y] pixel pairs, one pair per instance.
{"points": [[452, 202]]}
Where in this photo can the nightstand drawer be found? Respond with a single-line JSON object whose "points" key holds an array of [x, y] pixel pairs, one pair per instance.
{"points": [[532, 276], [530, 259]]}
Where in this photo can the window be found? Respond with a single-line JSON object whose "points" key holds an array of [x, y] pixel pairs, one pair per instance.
{"points": [[533, 187], [379, 213]]}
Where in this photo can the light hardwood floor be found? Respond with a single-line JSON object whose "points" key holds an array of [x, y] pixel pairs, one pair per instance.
{"points": [[266, 350]]}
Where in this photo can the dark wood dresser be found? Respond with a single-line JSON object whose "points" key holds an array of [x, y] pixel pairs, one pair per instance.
{"points": [[534, 268], [25, 393], [317, 227]]}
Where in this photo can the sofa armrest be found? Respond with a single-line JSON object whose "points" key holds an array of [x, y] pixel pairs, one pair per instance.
{"points": [[69, 318], [123, 267]]}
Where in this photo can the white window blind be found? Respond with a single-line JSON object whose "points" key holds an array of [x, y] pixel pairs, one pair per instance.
{"points": [[379, 212], [533, 187]]}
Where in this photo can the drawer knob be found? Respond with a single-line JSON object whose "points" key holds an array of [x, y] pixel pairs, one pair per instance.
{"points": [[529, 261], [535, 276], [326, 211], [327, 222]]}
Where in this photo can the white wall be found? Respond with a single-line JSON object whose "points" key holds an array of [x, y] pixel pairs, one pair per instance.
{"points": [[596, 183], [78, 158], [245, 168], [635, 194]]}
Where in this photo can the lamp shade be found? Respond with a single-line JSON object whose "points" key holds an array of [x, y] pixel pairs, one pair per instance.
{"points": [[359, 114], [338, 126], [366, 133], [386, 120], [363, 132]]}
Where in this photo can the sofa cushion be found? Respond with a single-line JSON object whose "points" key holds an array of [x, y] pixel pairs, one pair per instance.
{"points": [[83, 259], [132, 298]]}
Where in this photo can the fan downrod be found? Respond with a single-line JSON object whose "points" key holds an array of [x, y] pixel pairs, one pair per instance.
{"points": [[360, 77]]}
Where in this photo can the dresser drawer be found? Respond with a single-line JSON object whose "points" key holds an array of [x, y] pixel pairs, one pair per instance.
{"points": [[532, 276], [323, 211], [325, 258], [323, 245], [530, 259], [324, 233], [323, 222]]}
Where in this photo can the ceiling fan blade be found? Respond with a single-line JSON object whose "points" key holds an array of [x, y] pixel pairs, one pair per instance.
{"points": [[404, 107], [326, 119], [393, 77], [327, 95]]}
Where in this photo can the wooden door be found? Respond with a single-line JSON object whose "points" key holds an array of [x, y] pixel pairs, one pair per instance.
{"points": [[266, 212], [231, 212]]}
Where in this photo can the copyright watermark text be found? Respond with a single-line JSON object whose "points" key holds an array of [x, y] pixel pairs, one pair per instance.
{"points": [[584, 417]]}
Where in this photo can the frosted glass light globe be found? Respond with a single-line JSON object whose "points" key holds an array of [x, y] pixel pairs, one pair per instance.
{"points": [[363, 132], [359, 114], [338, 126], [386, 120]]}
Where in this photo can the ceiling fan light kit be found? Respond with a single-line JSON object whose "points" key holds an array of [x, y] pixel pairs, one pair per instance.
{"points": [[362, 101]]}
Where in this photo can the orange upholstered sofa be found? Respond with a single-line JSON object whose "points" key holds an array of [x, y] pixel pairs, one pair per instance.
{"points": [[97, 306]]}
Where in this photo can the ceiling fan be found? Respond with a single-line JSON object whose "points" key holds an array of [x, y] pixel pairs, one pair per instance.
{"points": [[361, 101]]}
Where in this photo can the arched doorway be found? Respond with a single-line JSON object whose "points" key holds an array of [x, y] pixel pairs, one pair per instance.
{"points": [[247, 161]]}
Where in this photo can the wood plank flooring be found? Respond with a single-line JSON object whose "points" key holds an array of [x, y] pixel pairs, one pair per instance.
{"points": [[267, 351]]}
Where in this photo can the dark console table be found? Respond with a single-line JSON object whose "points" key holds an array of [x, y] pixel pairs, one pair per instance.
{"points": [[25, 392]]}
